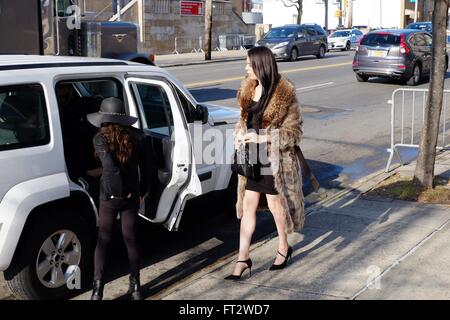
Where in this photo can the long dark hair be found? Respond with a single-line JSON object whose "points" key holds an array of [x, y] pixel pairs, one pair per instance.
{"points": [[119, 141], [265, 68]]}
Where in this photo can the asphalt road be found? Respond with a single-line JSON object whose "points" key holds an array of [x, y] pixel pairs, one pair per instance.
{"points": [[346, 123], [346, 133]]}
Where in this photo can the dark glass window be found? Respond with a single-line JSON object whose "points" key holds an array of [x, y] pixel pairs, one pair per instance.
{"points": [[23, 117], [381, 39], [156, 107]]}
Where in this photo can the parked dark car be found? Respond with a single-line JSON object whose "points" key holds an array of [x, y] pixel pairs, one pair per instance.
{"points": [[292, 41], [400, 53], [424, 26]]}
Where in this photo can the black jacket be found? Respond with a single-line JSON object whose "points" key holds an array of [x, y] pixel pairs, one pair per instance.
{"points": [[123, 181]]}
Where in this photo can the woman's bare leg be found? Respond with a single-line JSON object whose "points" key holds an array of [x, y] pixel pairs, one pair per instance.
{"points": [[248, 224], [275, 206]]}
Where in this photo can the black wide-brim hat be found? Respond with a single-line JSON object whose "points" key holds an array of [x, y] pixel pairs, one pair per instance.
{"points": [[112, 110]]}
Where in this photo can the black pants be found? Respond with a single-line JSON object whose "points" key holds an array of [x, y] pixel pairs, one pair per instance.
{"points": [[107, 215]]}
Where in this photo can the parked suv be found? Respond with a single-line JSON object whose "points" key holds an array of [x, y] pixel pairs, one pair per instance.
{"points": [[400, 53], [294, 40], [48, 205]]}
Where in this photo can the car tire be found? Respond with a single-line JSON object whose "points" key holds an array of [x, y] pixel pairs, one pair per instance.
{"points": [[348, 46], [22, 275], [415, 77], [321, 53], [294, 55], [361, 77]]}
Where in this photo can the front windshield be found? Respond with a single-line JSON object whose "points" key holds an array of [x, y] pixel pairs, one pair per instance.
{"points": [[280, 33], [339, 34]]}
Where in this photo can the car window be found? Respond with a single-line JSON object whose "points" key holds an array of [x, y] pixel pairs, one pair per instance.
{"points": [[188, 108], [311, 32], [419, 39], [420, 26], [23, 117], [320, 31], [280, 33], [339, 34], [154, 103], [381, 39]]}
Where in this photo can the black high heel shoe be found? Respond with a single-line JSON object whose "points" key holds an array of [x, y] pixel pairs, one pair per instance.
{"points": [[97, 290], [286, 257], [248, 262]]}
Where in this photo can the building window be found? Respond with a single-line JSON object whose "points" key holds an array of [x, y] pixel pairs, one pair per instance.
{"points": [[160, 6], [219, 8]]}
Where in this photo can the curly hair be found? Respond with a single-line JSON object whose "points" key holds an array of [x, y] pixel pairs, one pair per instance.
{"points": [[119, 141]]}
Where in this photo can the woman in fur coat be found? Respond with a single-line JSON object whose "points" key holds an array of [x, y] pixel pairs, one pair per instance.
{"points": [[271, 120]]}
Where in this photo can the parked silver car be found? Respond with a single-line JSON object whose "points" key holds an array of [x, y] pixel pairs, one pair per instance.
{"points": [[344, 39], [399, 53]]}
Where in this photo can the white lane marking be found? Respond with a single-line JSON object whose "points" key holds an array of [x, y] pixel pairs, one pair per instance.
{"points": [[316, 86]]}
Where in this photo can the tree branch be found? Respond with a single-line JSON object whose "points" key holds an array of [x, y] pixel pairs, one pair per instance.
{"points": [[288, 6]]}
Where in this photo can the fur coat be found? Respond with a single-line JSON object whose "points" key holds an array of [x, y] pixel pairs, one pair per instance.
{"points": [[282, 113]]}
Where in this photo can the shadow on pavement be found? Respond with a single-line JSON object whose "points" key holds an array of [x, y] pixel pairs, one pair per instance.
{"points": [[206, 224]]}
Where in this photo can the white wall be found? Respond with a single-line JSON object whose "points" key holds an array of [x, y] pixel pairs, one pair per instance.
{"points": [[365, 12]]}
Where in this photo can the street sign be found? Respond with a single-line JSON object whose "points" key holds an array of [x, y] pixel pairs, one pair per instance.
{"points": [[191, 8], [339, 13]]}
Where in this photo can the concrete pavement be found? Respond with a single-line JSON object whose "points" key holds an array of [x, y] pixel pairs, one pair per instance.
{"points": [[352, 247], [183, 59]]}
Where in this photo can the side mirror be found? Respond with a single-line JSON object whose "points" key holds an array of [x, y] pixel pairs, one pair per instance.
{"points": [[201, 114], [300, 35]]}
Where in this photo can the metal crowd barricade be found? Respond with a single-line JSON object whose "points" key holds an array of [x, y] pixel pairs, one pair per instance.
{"points": [[187, 44], [223, 42], [407, 118], [247, 41]]}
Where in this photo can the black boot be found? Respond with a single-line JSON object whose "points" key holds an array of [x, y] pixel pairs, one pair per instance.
{"points": [[97, 290], [135, 288]]}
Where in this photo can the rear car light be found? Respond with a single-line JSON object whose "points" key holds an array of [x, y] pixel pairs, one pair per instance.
{"points": [[402, 66], [360, 40], [404, 48], [355, 64]]}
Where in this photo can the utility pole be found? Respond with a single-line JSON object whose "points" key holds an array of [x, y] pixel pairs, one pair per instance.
{"points": [[350, 13], [381, 14], [340, 12], [415, 10], [208, 29], [326, 14]]}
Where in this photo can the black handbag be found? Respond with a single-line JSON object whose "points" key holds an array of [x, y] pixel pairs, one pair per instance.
{"points": [[241, 164]]}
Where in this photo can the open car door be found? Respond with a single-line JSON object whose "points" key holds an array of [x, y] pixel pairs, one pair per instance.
{"points": [[173, 174]]}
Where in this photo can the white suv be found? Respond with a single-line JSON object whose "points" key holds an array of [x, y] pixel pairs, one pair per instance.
{"points": [[48, 210]]}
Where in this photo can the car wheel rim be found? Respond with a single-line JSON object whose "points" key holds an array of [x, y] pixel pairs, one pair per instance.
{"points": [[322, 52], [59, 251], [294, 55], [416, 74]]}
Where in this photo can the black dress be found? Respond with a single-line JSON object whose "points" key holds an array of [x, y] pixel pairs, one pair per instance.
{"points": [[265, 182]]}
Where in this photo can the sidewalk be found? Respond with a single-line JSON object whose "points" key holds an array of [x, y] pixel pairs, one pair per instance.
{"points": [[352, 247], [183, 59]]}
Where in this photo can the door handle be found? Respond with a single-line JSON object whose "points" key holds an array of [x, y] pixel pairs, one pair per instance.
{"points": [[180, 165]]}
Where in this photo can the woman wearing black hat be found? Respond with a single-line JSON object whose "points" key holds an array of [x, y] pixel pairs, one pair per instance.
{"points": [[121, 151]]}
